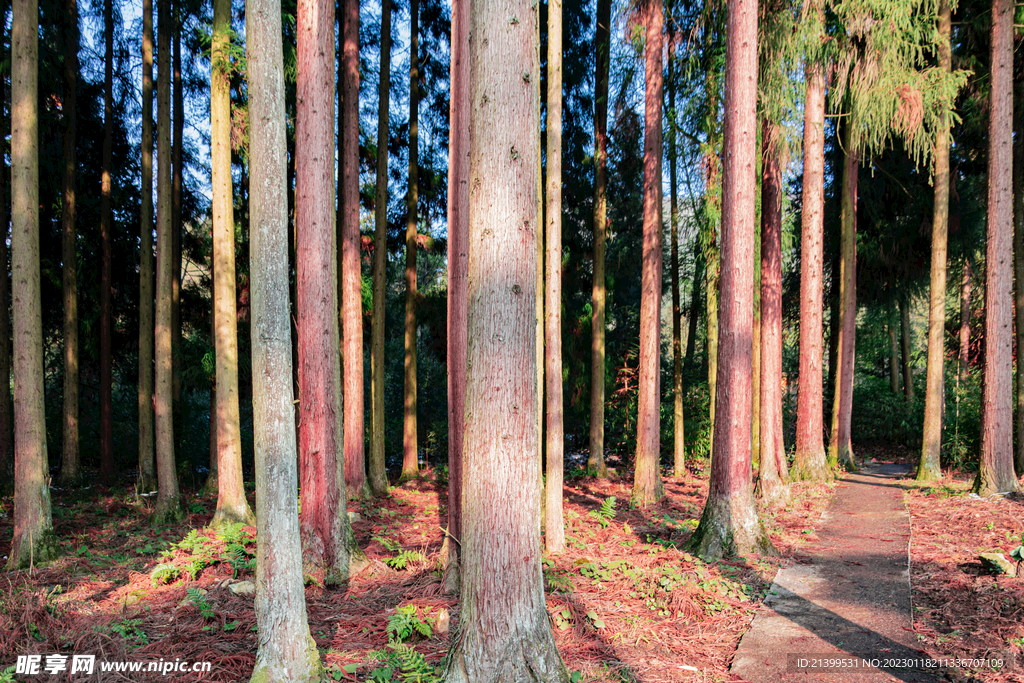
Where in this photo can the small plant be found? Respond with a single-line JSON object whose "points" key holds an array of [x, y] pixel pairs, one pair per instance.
{"points": [[403, 559], [404, 623], [606, 513], [595, 620], [197, 508], [1018, 554], [163, 573], [197, 598], [7, 675], [563, 619], [129, 629], [401, 659]]}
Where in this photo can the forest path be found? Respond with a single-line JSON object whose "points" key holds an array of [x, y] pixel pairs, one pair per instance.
{"points": [[850, 603]]}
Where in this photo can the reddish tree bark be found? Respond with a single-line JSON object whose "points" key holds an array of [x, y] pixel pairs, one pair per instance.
{"points": [[6, 407], [106, 225], [1018, 266], [410, 436], [147, 463], [647, 485], [995, 471], [809, 459], [729, 523], [678, 425]]}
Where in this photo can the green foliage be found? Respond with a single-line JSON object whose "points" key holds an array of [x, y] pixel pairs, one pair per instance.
{"points": [[198, 599], [404, 559], [605, 515], [163, 573], [7, 675], [130, 630], [404, 623]]}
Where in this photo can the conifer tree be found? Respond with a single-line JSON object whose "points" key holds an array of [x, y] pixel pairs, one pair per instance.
{"points": [[106, 247], [147, 463], [410, 437]]}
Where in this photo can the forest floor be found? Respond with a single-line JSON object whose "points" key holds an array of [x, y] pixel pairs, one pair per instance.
{"points": [[627, 602]]}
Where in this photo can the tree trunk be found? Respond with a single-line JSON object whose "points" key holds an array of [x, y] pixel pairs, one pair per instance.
{"points": [[323, 521], [286, 650], [6, 407], [351, 269], [1018, 253], [771, 486], [755, 362], [378, 471], [168, 503], [34, 540], [147, 464], [995, 471], [963, 359], [809, 460], [647, 485], [908, 371], [458, 273], [177, 131], [678, 424], [894, 355], [554, 526], [70, 472], [106, 225], [599, 294], [729, 523], [231, 503], [695, 299], [711, 345], [505, 630], [840, 446], [410, 447]]}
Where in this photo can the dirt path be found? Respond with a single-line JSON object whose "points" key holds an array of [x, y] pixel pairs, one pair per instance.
{"points": [[850, 603]]}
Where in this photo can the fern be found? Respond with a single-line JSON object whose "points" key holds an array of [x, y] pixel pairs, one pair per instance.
{"points": [[197, 598], [240, 559], [414, 667], [163, 573], [404, 623], [402, 560], [235, 533], [605, 515], [195, 567]]}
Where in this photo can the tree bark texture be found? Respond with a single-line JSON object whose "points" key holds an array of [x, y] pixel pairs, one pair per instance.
{"points": [[351, 269], [905, 347], [554, 525], [147, 464], [678, 424], [599, 294], [963, 359], [168, 504], [458, 274], [771, 485], [70, 472], [505, 630], [177, 132], [729, 523], [285, 651], [410, 444], [1018, 264], [106, 226], [34, 540], [995, 471], [323, 521], [894, 354], [647, 484], [809, 460], [6, 407], [231, 503], [378, 472]]}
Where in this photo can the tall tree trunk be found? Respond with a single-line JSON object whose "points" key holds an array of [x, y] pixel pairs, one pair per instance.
{"points": [[212, 485], [928, 467], [894, 354], [286, 650], [106, 225], [506, 633], [70, 472], [168, 503], [599, 294], [833, 318], [1018, 262], [695, 299], [755, 361], [177, 131], [908, 371], [995, 471], [351, 269], [34, 540], [323, 522], [410, 447], [378, 472], [771, 486], [647, 485], [147, 464], [554, 526], [840, 447], [458, 275], [809, 460], [6, 407], [729, 523], [964, 354], [231, 503], [711, 294], [678, 425]]}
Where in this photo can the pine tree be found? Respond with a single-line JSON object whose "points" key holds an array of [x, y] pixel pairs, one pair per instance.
{"points": [[106, 226], [147, 463], [410, 447]]}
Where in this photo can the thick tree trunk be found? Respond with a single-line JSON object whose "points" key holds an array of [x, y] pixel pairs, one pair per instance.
{"points": [[770, 483], [351, 269], [34, 540], [70, 472], [647, 485], [106, 225], [995, 471], [729, 523], [323, 522], [1018, 262], [711, 345], [147, 464], [286, 651], [809, 460], [378, 472], [755, 363], [908, 370], [678, 425], [599, 294], [168, 502], [840, 446], [410, 443], [458, 274], [6, 407], [177, 132], [231, 503], [505, 630], [554, 526]]}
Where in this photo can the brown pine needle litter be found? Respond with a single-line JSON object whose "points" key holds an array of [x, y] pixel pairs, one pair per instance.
{"points": [[627, 602]]}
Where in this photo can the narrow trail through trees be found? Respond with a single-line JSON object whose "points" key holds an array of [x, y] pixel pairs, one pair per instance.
{"points": [[851, 601]]}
